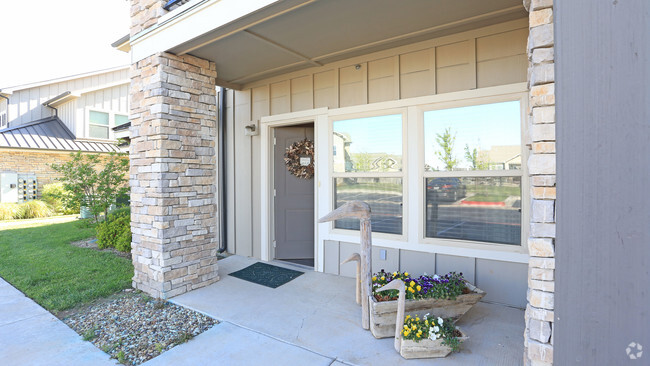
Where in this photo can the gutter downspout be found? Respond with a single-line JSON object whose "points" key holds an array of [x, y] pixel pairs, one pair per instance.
{"points": [[7, 99], [221, 132]]}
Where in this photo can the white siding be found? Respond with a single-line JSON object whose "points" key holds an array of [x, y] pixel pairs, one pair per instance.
{"points": [[67, 114], [25, 105]]}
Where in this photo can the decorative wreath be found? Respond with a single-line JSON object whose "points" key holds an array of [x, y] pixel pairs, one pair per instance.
{"points": [[299, 159]]}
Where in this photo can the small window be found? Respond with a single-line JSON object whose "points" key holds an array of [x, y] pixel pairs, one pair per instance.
{"points": [[98, 124], [121, 119]]}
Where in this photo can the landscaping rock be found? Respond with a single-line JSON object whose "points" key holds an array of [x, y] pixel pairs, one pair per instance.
{"points": [[135, 328]]}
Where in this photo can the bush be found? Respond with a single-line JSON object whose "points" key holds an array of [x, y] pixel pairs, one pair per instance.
{"points": [[25, 210], [8, 211], [115, 231], [34, 209], [55, 195]]}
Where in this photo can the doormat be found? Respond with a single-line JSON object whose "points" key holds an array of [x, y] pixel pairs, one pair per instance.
{"points": [[266, 274]]}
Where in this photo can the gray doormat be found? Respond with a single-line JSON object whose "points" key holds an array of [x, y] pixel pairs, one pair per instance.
{"points": [[266, 274]]}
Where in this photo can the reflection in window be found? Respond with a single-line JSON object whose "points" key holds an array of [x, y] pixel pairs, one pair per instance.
{"points": [[481, 137], [121, 119], [384, 195], [486, 209], [372, 144], [98, 124]]}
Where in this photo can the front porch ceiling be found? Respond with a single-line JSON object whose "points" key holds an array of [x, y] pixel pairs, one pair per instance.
{"points": [[295, 34]]}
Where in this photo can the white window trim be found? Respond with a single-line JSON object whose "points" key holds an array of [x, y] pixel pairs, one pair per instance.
{"points": [[111, 123], [523, 173], [403, 174], [414, 196]]}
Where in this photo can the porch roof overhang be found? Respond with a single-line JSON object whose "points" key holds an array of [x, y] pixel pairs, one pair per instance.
{"points": [[254, 40]]}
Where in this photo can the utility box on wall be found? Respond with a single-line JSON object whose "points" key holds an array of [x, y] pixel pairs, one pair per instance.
{"points": [[9, 187], [27, 187]]}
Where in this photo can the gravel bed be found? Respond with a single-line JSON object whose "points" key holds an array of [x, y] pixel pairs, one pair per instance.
{"points": [[135, 328]]}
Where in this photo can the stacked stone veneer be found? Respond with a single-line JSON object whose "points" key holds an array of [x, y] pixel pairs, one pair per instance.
{"points": [[538, 337], [173, 174]]}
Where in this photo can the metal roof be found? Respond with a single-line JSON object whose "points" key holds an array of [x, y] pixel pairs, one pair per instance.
{"points": [[50, 134]]}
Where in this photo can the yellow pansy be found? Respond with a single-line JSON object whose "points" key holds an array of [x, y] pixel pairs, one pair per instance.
{"points": [[374, 278], [412, 283], [383, 278], [419, 288], [406, 273], [417, 319], [408, 317], [413, 327]]}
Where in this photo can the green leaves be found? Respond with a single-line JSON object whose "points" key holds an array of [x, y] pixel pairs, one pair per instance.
{"points": [[446, 142], [94, 181]]}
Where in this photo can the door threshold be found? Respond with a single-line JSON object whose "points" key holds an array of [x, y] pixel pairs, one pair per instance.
{"points": [[300, 263]]}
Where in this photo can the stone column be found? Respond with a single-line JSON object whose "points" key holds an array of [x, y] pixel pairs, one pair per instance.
{"points": [[173, 168], [538, 336]]}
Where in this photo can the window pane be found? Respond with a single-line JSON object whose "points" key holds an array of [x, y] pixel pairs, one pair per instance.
{"points": [[483, 209], [384, 195], [371, 144], [482, 137], [121, 119], [98, 118], [99, 132]]}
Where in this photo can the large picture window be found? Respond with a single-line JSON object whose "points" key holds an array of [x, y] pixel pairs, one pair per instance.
{"points": [[368, 166], [472, 178]]}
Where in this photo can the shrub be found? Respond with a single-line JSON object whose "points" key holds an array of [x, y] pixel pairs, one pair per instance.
{"points": [[115, 231], [34, 209], [91, 187], [25, 210], [55, 195], [8, 211]]}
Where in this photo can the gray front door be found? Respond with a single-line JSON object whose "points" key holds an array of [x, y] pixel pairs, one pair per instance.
{"points": [[294, 199]]}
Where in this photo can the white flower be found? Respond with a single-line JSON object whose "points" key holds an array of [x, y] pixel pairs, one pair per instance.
{"points": [[440, 321], [436, 329], [436, 277]]}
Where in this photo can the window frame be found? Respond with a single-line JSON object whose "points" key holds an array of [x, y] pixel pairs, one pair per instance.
{"points": [[403, 174], [522, 98], [111, 122]]}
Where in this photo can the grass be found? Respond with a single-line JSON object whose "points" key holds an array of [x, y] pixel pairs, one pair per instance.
{"points": [[38, 260]]}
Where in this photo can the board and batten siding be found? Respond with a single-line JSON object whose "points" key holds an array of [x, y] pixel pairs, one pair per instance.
{"points": [[26, 105], [489, 56]]}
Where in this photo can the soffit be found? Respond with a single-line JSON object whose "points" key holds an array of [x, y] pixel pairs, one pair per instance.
{"points": [[311, 33]]}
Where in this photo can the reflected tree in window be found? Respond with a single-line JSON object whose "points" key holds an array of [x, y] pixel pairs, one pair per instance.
{"points": [[446, 142]]}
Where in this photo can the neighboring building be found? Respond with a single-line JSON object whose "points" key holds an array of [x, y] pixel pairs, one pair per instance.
{"points": [[42, 123], [386, 79]]}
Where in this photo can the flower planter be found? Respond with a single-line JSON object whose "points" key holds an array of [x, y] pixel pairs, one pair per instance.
{"points": [[426, 348], [383, 313]]}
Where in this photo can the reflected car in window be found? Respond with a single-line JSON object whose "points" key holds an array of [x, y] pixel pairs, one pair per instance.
{"points": [[446, 189]]}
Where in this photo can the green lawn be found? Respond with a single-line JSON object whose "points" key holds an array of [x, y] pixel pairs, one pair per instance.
{"points": [[37, 259]]}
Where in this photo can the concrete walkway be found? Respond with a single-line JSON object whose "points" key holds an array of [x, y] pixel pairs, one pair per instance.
{"points": [[314, 320], [30, 335]]}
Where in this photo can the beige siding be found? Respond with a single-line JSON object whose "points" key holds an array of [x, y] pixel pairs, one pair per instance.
{"points": [[382, 79], [501, 58], [418, 73], [481, 58]]}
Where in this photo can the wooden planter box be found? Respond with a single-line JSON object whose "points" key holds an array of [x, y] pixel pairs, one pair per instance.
{"points": [[384, 313], [426, 348]]}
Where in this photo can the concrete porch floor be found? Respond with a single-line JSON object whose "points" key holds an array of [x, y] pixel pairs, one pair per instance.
{"points": [[314, 320]]}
